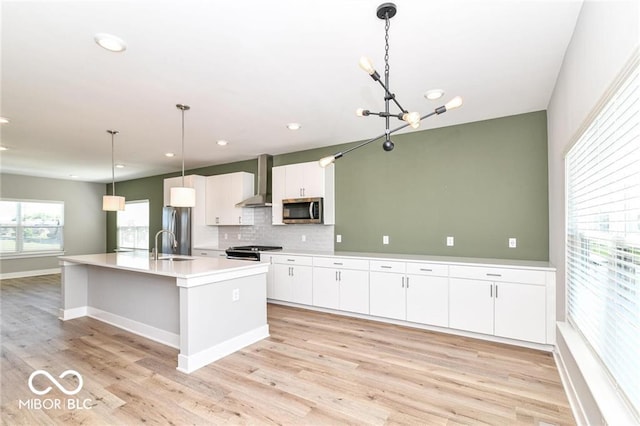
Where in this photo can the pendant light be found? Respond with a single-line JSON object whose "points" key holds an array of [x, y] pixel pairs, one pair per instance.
{"points": [[386, 11], [112, 203], [182, 196]]}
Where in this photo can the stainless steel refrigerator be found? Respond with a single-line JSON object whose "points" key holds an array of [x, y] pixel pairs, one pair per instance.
{"points": [[178, 221]]}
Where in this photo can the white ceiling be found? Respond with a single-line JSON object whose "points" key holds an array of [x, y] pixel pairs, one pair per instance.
{"points": [[247, 68]]}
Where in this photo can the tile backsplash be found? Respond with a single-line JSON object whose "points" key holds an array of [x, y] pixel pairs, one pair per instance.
{"points": [[290, 237]]}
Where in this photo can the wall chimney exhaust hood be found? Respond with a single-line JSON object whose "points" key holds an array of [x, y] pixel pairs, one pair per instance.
{"points": [[262, 198]]}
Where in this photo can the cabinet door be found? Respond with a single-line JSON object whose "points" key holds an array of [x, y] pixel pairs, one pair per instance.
{"points": [[282, 282], [277, 194], [387, 295], [520, 312], [302, 284], [326, 289], [313, 180], [294, 180], [214, 199], [428, 300], [471, 305], [354, 290]]}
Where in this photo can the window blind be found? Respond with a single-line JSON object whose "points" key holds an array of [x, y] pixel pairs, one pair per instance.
{"points": [[603, 237]]}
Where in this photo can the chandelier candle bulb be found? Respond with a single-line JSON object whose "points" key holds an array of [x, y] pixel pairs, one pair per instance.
{"points": [[365, 64]]}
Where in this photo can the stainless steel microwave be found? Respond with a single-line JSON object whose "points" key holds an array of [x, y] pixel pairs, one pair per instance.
{"points": [[302, 210]]}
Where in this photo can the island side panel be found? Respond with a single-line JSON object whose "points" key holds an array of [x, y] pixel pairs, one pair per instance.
{"points": [[214, 324], [142, 303], [74, 290]]}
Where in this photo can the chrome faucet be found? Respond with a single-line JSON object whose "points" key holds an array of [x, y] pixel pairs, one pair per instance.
{"points": [[155, 248]]}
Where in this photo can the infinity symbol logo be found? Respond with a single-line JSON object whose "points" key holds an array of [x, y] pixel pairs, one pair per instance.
{"points": [[55, 382]]}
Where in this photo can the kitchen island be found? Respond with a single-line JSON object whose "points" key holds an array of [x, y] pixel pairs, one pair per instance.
{"points": [[205, 307]]}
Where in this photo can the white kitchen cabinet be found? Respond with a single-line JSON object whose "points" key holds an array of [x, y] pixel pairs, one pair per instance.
{"points": [[303, 180], [387, 292], [502, 302], [428, 294], [293, 279], [277, 194], [342, 284], [413, 292], [223, 193]]}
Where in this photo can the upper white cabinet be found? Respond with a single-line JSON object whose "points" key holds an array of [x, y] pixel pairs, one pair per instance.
{"points": [[223, 193], [303, 180]]}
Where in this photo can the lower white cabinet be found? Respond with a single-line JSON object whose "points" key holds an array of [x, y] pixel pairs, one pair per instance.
{"points": [[509, 302], [490, 304], [292, 279], [341, 284], [413, 292]]}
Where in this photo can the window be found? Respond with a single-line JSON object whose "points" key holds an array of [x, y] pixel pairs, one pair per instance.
{"points": [[133, 225], [31, 227], [603, 237]]}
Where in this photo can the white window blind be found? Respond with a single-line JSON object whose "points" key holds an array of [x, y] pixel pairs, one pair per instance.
{"points": [[603, 237]]}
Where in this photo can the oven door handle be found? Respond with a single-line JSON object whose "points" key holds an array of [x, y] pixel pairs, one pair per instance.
{"points": [[253, 259]]}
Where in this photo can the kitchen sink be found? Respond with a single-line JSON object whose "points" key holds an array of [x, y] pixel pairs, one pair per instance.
{"points": [[176, 258]]}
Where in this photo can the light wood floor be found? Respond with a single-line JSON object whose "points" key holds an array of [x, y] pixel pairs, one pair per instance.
{"points": [[315, 369]]}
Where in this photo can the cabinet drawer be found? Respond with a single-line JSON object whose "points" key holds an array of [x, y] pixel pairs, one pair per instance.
{"points": [[293, 260], [428, 269], [386, 266], [526, 276], [341, 262], [208, 253]]}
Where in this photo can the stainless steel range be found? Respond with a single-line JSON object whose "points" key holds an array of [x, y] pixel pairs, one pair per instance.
{"points": [[248, 252]]}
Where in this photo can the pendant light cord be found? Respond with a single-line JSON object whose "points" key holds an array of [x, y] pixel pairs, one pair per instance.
{"points": [[113, 161], [182, 147]]}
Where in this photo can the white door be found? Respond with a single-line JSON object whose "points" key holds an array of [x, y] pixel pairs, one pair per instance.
{"points": [[387, 295], [282, 282], [354, 290], [326, 289], [302, 284], [520, 312], [471, 305], [428, 300]]}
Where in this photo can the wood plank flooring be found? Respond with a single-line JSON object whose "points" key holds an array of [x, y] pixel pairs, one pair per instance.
{"points": [[315, 369]]}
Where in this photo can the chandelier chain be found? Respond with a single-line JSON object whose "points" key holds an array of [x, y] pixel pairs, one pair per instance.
{"points": [[386, 46]]}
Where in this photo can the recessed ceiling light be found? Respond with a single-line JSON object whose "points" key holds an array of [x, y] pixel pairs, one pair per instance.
{"points": [[293, 126], [74, 176], [3, 148], [120, 166], [169, 154], [110, 42], [222, 142], [4, 120], [434, 94]]}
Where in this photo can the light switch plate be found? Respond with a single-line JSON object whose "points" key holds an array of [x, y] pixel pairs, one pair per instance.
{"points": [[385, 239], [450, 241], [304, 238], [338, 238], [513, 243]]}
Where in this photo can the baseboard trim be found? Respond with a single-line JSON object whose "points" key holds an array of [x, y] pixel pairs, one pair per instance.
{"points": [[189, 364], [26, 274]]}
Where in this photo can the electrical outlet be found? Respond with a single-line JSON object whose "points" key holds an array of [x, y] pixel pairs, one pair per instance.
{"points": [[450, 241], [338, 238], [385, 239], [239, 236], [235, 295], [226, 235], [304, 238], [513, 243]]}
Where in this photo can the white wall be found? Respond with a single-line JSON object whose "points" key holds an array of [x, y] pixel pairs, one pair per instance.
{"points": [[605, 40], [85, 222]]}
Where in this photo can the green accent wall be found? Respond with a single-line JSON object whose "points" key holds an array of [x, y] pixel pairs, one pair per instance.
{"points": [[480, 182]]}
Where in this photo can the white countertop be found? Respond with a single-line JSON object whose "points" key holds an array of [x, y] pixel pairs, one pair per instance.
{"points": [[463, 261], [142, 262]]}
